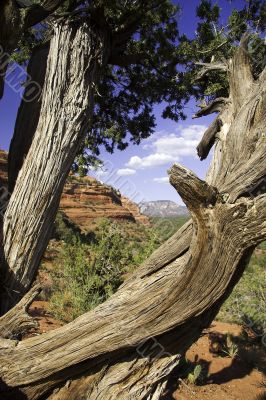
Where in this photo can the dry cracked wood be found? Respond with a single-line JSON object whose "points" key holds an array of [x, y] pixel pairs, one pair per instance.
{"points": [[67, 104], [25, 127], [14, 22], [179, 290], [17, 320]]}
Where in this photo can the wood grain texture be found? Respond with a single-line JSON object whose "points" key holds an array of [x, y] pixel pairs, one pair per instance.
{"points": [[25, 126], [74, 63], [17, 321]]}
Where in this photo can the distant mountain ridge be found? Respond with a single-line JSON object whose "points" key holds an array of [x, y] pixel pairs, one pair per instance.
{"points": [[162, 208]]}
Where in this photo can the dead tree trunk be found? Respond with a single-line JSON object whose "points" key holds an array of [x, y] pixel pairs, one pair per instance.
{"points": [[25, 127], [67, 105], [112, 351]]}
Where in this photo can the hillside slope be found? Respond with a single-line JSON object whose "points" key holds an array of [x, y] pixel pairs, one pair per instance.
{"points": [[85, 200]]}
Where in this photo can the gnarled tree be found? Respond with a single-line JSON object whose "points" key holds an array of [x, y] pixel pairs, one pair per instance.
{"points": [[112, 352]]}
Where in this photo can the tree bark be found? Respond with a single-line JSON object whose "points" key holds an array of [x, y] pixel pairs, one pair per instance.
{"points": [[14, 23], [17, 321], [76, 56], [109, 352], [10, 32], [26, 126]]}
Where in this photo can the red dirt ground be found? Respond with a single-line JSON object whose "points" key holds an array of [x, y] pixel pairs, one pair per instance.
{"points": [[240, 378]]}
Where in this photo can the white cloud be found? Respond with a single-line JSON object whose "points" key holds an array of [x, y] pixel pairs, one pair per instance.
{"points": [[125, 172], [164, 179], [170, 147], [183, 144], [150, 161]]}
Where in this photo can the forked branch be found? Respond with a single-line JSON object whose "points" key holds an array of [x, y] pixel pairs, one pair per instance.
{"points": [[208, 67]]}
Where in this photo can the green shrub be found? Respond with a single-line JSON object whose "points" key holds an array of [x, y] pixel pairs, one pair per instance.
{"points": [[75, 288], [86, 275], [246, 305], [165, 227]]}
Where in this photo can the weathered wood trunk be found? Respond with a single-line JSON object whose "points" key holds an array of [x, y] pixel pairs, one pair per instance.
{"points": [[14, 22], [28, 114], [110, 352], [76, 56], [10, 32]]}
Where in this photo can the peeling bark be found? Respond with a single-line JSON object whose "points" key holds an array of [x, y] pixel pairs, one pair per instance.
{"points": [[14, 23], [26, 126]]}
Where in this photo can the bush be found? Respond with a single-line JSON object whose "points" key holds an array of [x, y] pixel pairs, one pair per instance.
{"points": [[67, 231], [165, 227], [86, 275], [246, 305]]}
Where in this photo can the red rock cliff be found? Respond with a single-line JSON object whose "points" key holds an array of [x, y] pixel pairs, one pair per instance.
{"points": [[85, 200]]}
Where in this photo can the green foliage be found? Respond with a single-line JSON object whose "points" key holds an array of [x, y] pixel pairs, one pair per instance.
{"points": [[246, 305], [165, 227], [68, 232], [194, 376], [215, 42], [75, 283], [82, 280], [85, 275], [230, 348]]}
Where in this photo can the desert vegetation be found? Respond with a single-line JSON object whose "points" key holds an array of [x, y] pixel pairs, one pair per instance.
{"points": [[88, 269]]}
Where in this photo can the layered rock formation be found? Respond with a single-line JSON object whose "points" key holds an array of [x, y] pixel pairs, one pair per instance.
{"points": [[135, 211], [85, 201]]}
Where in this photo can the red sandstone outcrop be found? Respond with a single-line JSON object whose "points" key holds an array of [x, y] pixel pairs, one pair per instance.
{"points": [[135, 211], [85, 200]]}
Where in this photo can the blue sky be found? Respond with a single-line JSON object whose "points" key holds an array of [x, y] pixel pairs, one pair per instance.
{"points": [[140, 172]]}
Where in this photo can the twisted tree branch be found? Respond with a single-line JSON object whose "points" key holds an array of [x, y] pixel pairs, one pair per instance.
{"points": [[17, 320], [215, 106]]}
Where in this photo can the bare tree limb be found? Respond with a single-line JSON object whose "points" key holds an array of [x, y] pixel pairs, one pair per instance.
{"points": [[209, 67], [215, 106], [194, 191], [213, 49], [208, 139], [17, 320], [240, 77]]}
